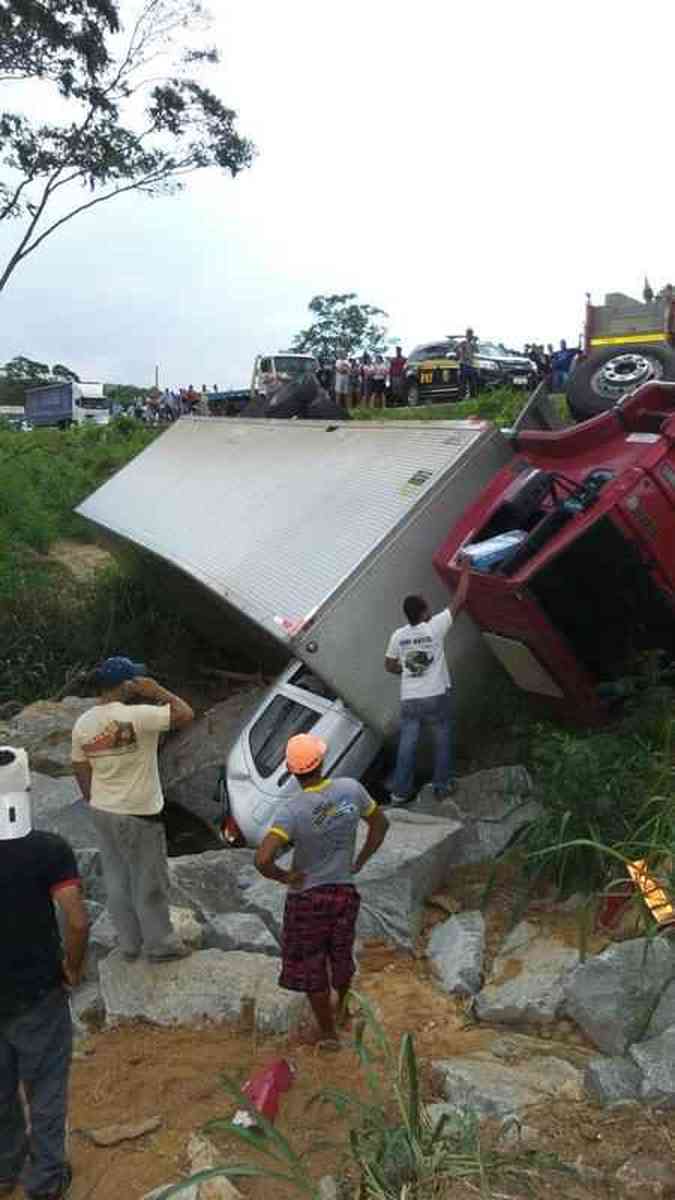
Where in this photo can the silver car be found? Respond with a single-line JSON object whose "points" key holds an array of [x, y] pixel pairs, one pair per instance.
{"points": [[256, 776]]}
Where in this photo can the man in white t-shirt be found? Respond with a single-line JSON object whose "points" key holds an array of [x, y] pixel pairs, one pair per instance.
{"points": [[114, 753], [416, 652]]}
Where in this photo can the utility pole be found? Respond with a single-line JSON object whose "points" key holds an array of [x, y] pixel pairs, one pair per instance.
{"points": [[157, 377]]}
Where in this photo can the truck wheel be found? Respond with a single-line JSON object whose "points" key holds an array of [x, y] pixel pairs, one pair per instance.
{"points": [[600, 380], [413, 395]]}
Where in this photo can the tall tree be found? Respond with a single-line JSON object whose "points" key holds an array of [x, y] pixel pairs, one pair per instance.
{"points": [[342, 326], [22, 368], [59, 371], [49, 38], [127, 125]]}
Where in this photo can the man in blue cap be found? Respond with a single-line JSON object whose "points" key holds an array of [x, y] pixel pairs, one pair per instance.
{"points": [[114, 753]]}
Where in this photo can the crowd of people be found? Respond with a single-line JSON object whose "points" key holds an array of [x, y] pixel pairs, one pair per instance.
{"points": [[553, 365], [369, 380], [365, 380]]}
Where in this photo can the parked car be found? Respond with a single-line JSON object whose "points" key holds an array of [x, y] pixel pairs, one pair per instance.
{"points": [[512, 370], [256, 775], [431, 374], [432, 371]]}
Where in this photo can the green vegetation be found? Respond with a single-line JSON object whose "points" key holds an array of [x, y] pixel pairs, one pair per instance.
{"points": [[501, 406], [50, 622], [342, 327], [608, 798], [393, 1148], [137, 112]]}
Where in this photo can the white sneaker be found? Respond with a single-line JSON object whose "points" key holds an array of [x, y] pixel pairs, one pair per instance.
{"points": [[397, 801]]}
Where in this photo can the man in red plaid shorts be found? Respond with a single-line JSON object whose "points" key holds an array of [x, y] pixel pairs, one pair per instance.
{"points": [[317, 946]]}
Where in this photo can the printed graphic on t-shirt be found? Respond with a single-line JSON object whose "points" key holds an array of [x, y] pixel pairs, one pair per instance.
{"points": [[117, 737], [418, 654], [340, 808]]}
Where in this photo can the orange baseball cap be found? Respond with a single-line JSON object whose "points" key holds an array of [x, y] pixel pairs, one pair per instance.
{"points": [[304, 753]]}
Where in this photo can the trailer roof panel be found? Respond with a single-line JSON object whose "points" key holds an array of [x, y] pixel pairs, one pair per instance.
{"points": [[329, 493]]}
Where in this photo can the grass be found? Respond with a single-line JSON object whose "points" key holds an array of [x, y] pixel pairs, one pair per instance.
{"points": [[608, 798], [51, 623], [501, 406]]}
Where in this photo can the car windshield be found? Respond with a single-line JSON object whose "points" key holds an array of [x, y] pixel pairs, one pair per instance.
{"points": [[291, 364], [433, 350], [492, 350], [281, 720]]}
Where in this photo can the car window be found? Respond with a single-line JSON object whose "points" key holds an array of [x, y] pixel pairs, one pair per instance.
{"points": [[304, 678], [265, 364], [281, 720]]}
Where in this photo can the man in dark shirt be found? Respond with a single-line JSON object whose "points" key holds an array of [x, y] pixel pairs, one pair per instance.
{"points": [[37, 870]]}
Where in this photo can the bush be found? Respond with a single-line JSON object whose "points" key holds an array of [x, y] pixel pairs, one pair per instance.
{"points": [[607, 797]]}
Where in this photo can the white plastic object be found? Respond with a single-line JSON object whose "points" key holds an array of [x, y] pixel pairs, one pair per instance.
{"points": [[15, 814]]}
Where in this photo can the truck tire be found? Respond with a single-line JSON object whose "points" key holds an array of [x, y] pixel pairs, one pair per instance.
{"points": [[600, 380]]}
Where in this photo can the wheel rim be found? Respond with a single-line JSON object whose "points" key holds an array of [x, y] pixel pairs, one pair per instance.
{"points": [[623, 373], [414, 396]]}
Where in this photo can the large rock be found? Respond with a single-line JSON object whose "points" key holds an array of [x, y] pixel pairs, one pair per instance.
{"points": [[240, 931], [44, 729], [213, 882], [656, 1060], [612, 996], [527, 978], [209, 985], [190, 760], [663, 1016], [456, 948], [57, 807], [103, 935], [413, 861], [496, 1089], [492, 805], [612, 1079]]}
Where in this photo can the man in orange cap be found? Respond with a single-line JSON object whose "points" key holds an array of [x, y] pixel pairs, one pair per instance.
{"points": [[322, 903]]}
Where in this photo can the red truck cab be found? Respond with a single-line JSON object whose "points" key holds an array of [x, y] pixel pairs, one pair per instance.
{"points": [[592, 578]]}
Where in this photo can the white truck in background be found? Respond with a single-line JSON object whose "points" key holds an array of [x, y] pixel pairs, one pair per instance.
{"points": [[66, 404]]}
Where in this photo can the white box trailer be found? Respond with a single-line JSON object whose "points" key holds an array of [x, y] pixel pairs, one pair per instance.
{"points": [[309, 535]]}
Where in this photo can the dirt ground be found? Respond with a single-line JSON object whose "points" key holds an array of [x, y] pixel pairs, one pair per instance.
{"points": [[138, 1071]]}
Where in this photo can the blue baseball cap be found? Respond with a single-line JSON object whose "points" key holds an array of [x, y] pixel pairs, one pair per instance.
{"points": [[116, 670]]}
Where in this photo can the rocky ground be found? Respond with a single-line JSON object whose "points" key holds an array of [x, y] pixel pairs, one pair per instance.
{"points": [[558, 1056]]}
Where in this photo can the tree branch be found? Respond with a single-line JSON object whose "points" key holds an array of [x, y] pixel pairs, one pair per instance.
{"points": [[137, 185]]}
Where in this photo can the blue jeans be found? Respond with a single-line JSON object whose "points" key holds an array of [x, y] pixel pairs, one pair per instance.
{"points": [[35, 1050], [438, 713]]}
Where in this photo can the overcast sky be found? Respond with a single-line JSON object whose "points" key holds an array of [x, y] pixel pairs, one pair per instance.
{"points": [[481, 163]]}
